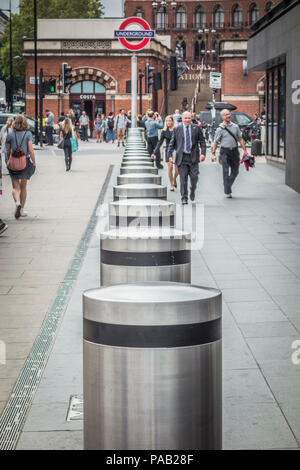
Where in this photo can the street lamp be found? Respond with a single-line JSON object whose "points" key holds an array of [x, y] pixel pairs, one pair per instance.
{"points": [[207, 52], [10, 96]]}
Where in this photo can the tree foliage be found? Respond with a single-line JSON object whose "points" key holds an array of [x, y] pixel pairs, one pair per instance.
{"points": [[23, 25]]}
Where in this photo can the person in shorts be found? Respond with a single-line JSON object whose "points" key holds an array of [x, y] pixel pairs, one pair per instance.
{"points": [[20, 136], [120, 126]]}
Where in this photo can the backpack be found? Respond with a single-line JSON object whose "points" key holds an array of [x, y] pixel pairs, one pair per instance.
{"points": [[17, 159], [110, 122]]}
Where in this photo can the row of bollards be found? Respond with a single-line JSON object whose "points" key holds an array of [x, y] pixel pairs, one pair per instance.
{"points": [[152, 341]]}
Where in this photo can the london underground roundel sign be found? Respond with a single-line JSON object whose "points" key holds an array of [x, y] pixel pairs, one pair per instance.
{"points": [[143, 31]]}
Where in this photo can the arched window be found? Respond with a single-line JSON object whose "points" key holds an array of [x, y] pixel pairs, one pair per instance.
{"points": [[139, 12], [161, 18], [215, 51], [200, 18], [196, 50], [202, 48], [237, 16], [269, 6], [181, 49], [254, 14], [181, 18], [219, 17], [87, 86]]}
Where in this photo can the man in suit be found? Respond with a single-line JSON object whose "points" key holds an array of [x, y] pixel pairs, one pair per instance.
{"points": [[185, 140]]}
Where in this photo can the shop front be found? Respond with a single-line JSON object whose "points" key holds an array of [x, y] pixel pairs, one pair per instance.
{"points": [[88, 96], [279, 32]]}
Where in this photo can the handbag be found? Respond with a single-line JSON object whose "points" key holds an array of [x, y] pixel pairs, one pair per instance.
{"points": [[61, 144], [74, 145]]}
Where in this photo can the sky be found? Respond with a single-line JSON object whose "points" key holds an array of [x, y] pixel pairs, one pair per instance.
{"points": [[112, 7]]}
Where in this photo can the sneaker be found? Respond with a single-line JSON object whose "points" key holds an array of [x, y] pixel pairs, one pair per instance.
{"points": [[229, 196], [184, 201], [23, 213], [18, 210], [3, 226]]}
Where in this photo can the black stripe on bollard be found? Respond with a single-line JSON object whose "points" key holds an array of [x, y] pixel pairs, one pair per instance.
{"points": [[156, 258], [151, 221], [160, 336]]}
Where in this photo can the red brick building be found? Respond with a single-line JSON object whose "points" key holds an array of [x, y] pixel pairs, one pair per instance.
{"points": [[100, 66], [213, 32]]}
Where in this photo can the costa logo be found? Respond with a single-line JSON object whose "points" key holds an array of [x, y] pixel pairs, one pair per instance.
{"points": [[145, 33]]}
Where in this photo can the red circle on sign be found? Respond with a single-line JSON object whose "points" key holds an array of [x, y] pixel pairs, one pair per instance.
{"points": [[144, 42]]}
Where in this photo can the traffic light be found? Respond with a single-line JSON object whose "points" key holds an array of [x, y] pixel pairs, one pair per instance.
{"points": [[52, 85], [148, 77], [66, 76], [49, 86], [157, 81], [173, 72]]}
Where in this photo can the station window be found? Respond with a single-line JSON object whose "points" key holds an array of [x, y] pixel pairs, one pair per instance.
{"points": [[276, 95]]}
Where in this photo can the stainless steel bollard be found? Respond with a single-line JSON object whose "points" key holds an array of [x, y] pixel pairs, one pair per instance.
{"points": [[135, 254], [127, 191], [137, 163], [145, 212], [138, 169], [152, 367], [136, 159], [139, 178]]}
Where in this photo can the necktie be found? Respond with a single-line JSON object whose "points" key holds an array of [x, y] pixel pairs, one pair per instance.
{"points": [[187, 139]]}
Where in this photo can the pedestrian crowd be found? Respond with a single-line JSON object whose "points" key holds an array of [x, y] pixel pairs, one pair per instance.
{"points": [[181, 135]]}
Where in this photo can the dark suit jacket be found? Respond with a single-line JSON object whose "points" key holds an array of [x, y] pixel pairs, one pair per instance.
{"points": [[177, 143]]}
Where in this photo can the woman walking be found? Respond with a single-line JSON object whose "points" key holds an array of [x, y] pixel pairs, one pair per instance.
{"points": [[97, 127], [166, 135], [4, 131], [110, 123], [65, 135], [20, 137], [103, 127]]}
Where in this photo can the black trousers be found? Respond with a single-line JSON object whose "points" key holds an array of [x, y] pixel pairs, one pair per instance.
{"points": [[84, 130], [188, 169], [152, 142], [49, 135], [231, 164], [68, 153]]}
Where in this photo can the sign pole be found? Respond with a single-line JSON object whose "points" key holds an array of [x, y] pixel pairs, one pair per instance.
{"points": [[133, 90]]}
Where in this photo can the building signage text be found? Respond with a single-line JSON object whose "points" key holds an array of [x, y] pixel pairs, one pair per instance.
{"points": [[87, 97], [86, 44]]}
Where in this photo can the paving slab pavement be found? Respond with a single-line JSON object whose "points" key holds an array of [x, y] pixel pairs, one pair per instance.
{"points": [[261, 385], [35, 251]]}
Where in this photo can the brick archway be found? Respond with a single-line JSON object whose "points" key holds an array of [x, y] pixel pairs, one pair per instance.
{"points": [[97, 75]]}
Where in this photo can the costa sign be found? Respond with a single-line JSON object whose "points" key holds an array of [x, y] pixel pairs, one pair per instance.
{"points": [[143, 32]]}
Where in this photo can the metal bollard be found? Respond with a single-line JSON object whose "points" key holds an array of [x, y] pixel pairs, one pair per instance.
{"points": [[145, 212], [136, 163], [135, 254], [127, 191], [152, 367], [138, 169], [136, 159], [139, 178]]}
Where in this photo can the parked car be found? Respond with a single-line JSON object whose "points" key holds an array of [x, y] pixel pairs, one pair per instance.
{"points": [[242, 119], [4, 116]]}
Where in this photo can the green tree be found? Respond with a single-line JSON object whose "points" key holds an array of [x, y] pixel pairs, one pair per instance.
{"points": [[22, 25]]}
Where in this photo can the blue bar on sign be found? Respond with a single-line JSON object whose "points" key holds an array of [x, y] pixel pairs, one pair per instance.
{"points": [[134, 34]]}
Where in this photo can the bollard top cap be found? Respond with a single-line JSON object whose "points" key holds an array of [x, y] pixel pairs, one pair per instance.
{"points": [[152, 303]]}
